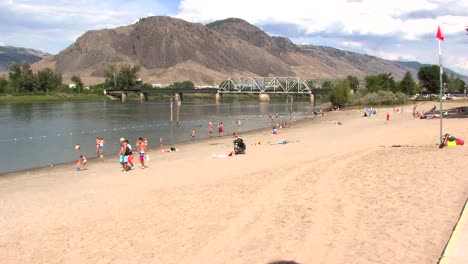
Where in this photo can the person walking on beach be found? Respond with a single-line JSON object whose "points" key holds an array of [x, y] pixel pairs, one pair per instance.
{"points": [[122, 157], [388, 117], [221, 129], [140, 144], [193, 134], [129, 154]]}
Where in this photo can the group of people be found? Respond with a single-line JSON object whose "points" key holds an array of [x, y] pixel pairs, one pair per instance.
{"points": [[126, 153], [210, 128]]}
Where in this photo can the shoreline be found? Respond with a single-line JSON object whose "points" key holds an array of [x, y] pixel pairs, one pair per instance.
{"points": [[115, 157]]}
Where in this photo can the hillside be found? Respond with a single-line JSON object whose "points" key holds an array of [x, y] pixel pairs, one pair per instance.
{"points": [[171, 49], [10, 55], [416, 65]]}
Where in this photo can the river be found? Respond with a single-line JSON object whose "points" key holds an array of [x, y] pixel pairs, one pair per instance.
{"points": [[42, 134]]}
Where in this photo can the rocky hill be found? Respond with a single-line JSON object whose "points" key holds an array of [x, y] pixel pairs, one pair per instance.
{"points": [[171, 49], [10, 55]]}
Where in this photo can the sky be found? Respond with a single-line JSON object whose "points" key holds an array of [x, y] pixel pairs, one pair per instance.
{"points": [[395, 30]]}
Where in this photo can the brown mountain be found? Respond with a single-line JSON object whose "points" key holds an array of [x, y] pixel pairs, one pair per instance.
{"points": [[170, 49]]}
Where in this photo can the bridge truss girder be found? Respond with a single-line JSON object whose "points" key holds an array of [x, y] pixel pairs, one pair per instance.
{"points": [[271, 85]]}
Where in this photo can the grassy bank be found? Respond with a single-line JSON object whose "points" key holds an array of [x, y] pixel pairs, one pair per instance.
{"points": [[50, 98]]}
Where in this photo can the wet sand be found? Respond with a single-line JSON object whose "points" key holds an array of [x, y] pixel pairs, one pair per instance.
{"points": [[332, 194]]}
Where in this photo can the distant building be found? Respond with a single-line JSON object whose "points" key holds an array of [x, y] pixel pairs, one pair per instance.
{"points": [[160, 85]]}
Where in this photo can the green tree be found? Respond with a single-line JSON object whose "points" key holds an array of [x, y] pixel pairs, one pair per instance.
{"points": [[455, 84], [182, 85], [14, 76], [128, 76], [383, 81], [339, 94], [3, 85], [111, 74], [388, 83], [311, 84], [27, 78], [47, 80], [429, 77], [124, 76], [408, 85], [353, 83], [372, 83], [327, 84], [21, 78], [75, 79], [188, 85]]}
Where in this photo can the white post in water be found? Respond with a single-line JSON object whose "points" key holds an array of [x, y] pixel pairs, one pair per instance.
{"points": [[171, 110]]}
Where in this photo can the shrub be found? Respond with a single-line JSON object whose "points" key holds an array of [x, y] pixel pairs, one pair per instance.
{"points": [[378, 98]]}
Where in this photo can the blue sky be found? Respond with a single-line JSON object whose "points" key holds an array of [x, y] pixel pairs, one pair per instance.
{"points": [[396, 30]]}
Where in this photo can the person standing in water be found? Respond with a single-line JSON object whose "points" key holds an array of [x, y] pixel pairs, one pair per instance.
{"points": [[211, 129], [221, 129], [99, 147], [98, 141]]}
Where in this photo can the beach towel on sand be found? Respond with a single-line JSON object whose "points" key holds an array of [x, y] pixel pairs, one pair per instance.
{"points": [[221, 155]]}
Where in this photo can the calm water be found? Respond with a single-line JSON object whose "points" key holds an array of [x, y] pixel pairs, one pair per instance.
{"points": [[40, 134]]}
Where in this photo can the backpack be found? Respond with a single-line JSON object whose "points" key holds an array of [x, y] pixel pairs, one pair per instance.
{"points": [[128, 151]]}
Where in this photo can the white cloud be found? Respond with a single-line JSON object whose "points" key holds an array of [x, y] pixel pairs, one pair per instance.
{"points": [[353, 44], [376, 17], [395, 56], [377, 27], [458, 64], [398, 29], [62, 21]]}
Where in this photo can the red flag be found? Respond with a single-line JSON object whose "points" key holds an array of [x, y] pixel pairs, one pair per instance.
{"points": [[439, 34]]}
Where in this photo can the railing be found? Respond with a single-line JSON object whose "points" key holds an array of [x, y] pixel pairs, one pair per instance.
{"points": [[278, 85]]}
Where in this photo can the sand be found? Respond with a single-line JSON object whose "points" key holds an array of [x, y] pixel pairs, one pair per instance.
{"points": [[333, 194]]}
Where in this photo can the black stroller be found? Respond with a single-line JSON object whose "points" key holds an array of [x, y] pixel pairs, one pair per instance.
{"points": [[239, 146]]}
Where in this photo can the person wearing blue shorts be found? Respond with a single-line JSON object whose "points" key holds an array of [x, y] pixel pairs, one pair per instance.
{"points": [[123, 158]]}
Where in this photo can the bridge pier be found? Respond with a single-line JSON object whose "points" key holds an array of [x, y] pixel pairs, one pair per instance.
{"points": [[218, 97], [263, 97], [124, 97], [312, 99], [143, 97], [178, 97]]}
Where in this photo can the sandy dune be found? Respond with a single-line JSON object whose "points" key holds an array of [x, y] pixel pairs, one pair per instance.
{"points": [[333, 194]]}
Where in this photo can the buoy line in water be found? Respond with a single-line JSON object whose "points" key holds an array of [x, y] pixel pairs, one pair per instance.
{"points": [[107, 130]]}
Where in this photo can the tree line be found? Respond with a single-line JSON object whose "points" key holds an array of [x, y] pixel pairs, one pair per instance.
{"points": [[22, 80], [384, 89]]}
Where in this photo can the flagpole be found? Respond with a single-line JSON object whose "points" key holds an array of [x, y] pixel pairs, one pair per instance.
{"points": [[440, 96]]}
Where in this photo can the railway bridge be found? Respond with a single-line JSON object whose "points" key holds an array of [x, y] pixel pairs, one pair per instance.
{"points": [[263, 86]]}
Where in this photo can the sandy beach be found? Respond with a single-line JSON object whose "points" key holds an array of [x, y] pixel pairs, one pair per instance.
{"points": [[333, 194]]}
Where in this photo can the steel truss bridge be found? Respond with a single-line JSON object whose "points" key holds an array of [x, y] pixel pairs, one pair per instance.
{"points": [[236, 85], [269, 85]]}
